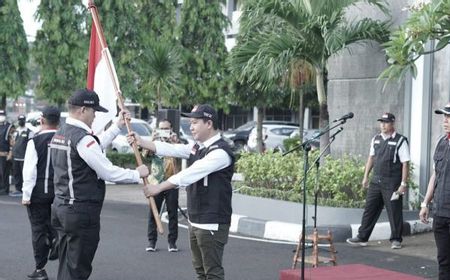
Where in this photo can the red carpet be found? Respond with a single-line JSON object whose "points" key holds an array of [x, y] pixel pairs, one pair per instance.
{"points": [[346, 272]]}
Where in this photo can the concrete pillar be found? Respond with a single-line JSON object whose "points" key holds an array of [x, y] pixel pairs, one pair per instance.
{"points": [[420, 121]]}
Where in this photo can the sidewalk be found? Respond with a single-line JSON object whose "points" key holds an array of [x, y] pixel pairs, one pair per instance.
{"points": [[265, 221]]}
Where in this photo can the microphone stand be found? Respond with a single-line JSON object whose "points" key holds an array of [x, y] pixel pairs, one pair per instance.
{"points": [[306, 147], [317, 164]]}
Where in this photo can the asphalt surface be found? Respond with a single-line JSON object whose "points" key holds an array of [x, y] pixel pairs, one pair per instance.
{"points": [[121, 253]]}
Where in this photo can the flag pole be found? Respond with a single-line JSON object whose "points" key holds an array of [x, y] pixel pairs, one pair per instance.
{"points": [[101, 37]]}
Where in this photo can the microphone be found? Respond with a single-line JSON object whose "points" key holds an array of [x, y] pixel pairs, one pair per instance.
{"points": [[345, 117]]}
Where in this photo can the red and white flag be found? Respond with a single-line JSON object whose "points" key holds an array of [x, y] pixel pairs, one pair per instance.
{"points": [[102, 80]]}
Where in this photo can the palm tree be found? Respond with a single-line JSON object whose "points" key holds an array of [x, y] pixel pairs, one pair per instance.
{"points": [[162, 68], [302, 30]]}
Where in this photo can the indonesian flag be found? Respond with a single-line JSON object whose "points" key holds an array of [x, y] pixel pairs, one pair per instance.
{"points": [[102, 78]]}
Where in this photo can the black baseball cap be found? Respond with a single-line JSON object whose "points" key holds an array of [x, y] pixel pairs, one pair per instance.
{"points": [[387, 117], [445, 110], [51, 113], [203, 111], [87, 98], [21, 117]]}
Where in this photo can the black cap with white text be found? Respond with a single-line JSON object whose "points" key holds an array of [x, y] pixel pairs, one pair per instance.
{"points": [[86, 98]]}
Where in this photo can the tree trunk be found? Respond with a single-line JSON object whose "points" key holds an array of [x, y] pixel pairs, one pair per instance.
{"points": [[259, 129], [4, 102], [158, 96], [301, 113], [323, 107]]}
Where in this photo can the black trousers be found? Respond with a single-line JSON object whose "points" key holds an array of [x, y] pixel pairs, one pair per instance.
{"points": [[441, 228], [5, 170], [78, 228], [17, 173], [42, 233], [171, 197], [379, 195]]}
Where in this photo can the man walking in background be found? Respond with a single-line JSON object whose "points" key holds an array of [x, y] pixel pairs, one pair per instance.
{"points": [[388, 158], [38, 192]]}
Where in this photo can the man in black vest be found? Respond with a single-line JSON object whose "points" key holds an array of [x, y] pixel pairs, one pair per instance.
{"points": [[38, 192], [389, 158], [439, 191], [208, 185], [80, 171], [6, 139], [23, 134]]}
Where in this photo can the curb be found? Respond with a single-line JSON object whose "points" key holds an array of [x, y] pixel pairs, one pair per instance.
{"points": [[291, 232]]}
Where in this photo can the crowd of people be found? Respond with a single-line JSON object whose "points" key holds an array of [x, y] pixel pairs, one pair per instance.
{"points": [[60, 172]]}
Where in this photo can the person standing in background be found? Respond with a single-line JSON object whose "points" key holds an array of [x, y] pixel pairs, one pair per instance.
{"points": [[23, 134], [163, 168], [6, 141], [38, 192]]}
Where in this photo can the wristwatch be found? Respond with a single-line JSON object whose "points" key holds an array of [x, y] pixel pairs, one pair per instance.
{"points": [[403, 184], [423, 205]]}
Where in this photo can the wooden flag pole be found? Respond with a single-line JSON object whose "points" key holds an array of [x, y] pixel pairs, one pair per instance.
{"points": [[105, 51]]}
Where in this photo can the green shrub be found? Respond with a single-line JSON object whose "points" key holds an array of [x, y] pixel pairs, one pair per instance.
{"points": [[274, 176], [125, 160], [290, 143]]}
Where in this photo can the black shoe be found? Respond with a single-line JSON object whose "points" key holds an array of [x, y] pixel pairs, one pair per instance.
{"points": [[53, 254], [151, 246], [38, 274], [172, 247], [356, 241]]}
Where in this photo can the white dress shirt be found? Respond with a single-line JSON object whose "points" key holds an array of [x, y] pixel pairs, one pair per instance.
{"points": [[403, 151], [92, 153], [214, 161], [29, 172]]}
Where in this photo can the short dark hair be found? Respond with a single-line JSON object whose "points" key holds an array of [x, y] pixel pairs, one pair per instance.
{"points": [[215, 124], [52, 121], [52, 115], [166, 120]]}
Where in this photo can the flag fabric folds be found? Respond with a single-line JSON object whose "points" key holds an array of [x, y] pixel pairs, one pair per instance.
{"points": [[101, 79]]}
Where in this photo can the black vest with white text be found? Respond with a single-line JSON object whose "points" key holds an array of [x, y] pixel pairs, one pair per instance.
{"points": [[43, 191], [20, 145], [209, 199], [386, 159], [74, 180]]}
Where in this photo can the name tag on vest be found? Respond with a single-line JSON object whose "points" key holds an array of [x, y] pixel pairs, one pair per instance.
{"points": [[392, 143], [376, 142]]}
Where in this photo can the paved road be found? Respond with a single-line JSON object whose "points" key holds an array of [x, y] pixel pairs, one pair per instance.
{"points": [[121, 253]]}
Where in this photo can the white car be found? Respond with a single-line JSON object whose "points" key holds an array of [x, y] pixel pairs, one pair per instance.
{"points": [[274, 135], [34, 120], [120, 143]]}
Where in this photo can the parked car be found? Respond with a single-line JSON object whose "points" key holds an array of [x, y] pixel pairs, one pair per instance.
{"points": [[307, 135], [185, 131], [120, 143], [241, 134], [33, 120], [273, 135]]}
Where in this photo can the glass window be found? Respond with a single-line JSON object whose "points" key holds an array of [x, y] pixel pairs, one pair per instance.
{"points": [[140, 128]]}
